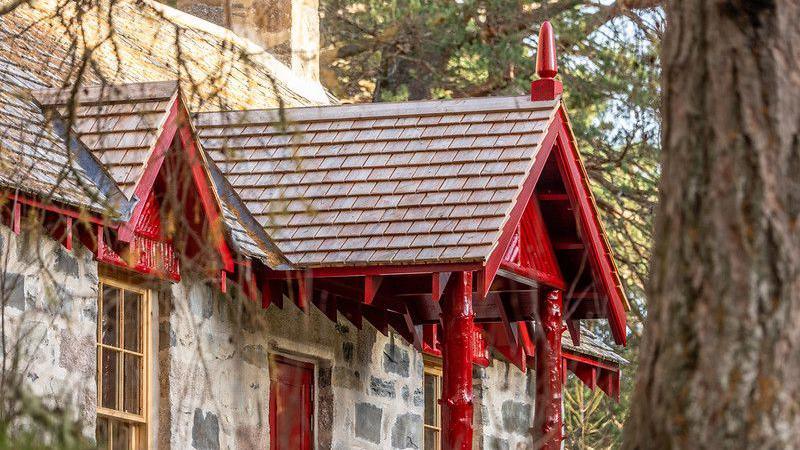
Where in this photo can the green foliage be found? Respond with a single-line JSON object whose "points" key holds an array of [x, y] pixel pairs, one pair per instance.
{"points": [[382, 50], [29, 422]]}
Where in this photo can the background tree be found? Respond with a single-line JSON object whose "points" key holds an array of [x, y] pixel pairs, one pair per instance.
{"points": [[720, 366]]}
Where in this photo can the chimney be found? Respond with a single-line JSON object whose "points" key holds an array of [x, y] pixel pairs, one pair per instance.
{"points": [[287, 29]]}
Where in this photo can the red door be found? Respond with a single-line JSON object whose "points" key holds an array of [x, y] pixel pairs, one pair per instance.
{"points": [[291, 404]]}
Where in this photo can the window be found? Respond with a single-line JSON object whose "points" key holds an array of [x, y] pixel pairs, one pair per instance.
{"points": [[122, 352], [433, 393]]}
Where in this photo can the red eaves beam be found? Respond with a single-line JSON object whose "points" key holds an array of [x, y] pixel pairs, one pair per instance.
{"points": [[363, 271]]}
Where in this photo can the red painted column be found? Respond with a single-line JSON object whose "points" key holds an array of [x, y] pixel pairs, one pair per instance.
{"points": [[457, 348], [548, 421]]}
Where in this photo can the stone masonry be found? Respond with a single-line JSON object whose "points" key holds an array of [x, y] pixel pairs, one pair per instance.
{"points": [[211, 362]]}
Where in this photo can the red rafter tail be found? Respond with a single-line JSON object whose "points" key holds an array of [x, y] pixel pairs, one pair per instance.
{"points": [[68, 236]]}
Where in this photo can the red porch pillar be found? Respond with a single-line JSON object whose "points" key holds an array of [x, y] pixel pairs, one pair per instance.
{"points": [[457, 349], [548, 421]]}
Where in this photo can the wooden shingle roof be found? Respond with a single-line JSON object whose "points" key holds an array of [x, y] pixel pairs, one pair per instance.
{"points": [[413, 182]]}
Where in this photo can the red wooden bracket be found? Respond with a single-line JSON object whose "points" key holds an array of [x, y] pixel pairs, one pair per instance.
{"points": [[68, 237], [574, 327], [371, 285], [16, 219], [438, 283]]}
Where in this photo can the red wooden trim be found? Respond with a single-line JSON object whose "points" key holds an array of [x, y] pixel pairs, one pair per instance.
{"points": [[521, 202], [534, 275], [574, 327], [65, 211], [457, 354], [16, 218], [361, 271], [580, 194], [68, 239], [591, 361], [438, 283], [100, 243], [223, 281], [548, 420], [371, 285], [151, 169]]}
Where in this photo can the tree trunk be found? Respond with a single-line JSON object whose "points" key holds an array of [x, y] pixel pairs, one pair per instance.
{"points": [[720, 361]]}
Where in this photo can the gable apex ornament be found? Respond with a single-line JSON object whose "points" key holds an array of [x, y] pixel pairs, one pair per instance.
{"points": [[546, 87]]}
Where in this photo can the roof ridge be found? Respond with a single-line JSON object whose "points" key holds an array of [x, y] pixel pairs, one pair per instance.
{"points": [[361, 111], [107, 93]]}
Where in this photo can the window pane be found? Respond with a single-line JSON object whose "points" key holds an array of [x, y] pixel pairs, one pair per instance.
{"points": [[430, 399], [123, 436], [132, 380], [109, 369], [133, 318], [110, 326], [102, 433], [431, 439]]}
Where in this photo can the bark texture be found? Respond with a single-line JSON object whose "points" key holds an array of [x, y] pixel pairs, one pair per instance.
{"points": [[720, 362]]}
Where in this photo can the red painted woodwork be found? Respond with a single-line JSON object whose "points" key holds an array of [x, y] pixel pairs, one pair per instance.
{"points": [[510, 228], [149, 252], [546, 87], [548, 421], [457, 353], [546, 64], [151, 170], [536, 251], [205, 191], [577, 183], [291, 405], [361, 271]]}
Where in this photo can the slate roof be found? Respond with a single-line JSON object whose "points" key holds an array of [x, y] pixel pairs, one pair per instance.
{"points": [[413, 182], [119, 124], [592, 345], [217, 69], [34, 156]]}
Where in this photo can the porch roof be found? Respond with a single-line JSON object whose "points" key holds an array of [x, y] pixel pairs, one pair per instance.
{"points": [[393, 183]]}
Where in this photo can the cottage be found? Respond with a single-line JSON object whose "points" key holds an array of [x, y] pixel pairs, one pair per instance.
{"points": [[188, 265]]}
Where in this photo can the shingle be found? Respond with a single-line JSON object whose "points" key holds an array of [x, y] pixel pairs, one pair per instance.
{"points": [[405, 182]]}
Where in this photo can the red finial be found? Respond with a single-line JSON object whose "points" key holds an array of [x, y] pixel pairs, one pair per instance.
{"points": [[546, 87], [546, 66]]}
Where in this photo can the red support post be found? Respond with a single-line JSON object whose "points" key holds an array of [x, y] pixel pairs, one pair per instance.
{"points": [[457, 348], [548, 420]]}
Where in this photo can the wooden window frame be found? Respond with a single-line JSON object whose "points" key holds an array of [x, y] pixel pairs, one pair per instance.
{"points": [[141, 421], [433, 366]]}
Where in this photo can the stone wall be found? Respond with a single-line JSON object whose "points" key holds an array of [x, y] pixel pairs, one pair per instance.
{"points": [[504, 398], [288, 29], [212, 365], [50, 313], [215, 375]]}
